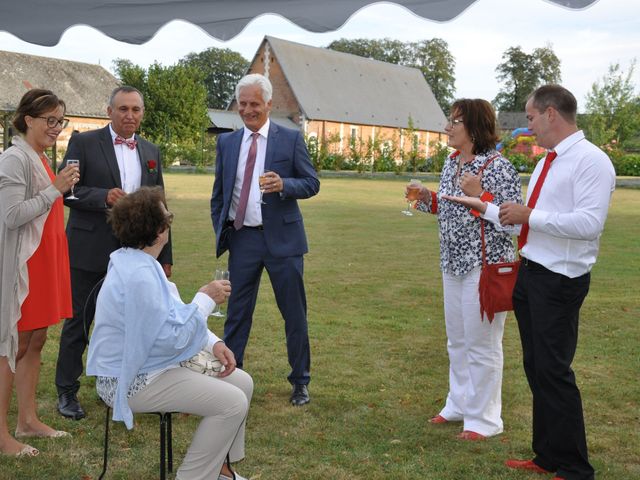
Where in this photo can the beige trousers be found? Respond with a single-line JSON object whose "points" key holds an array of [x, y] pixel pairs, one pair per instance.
{"points": [[223, 404]]}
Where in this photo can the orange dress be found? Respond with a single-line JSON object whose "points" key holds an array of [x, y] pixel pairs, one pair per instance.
{"points": [[49, 298]]}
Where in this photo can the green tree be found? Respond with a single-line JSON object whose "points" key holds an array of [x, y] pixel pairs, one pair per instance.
{"points": [[221, 69], [522, 73], [384, 50], [431, 57], [175, 107], [613, 108], [437, 64]]}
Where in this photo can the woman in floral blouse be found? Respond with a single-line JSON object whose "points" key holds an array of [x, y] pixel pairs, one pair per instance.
{"points": [[474, 344]]}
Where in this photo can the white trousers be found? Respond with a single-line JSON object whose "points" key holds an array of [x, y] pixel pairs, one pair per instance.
{"points": [[223, 404], [475, 357]]}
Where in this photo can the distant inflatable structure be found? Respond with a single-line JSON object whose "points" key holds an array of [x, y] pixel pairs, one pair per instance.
{"points": [[524, 141]]}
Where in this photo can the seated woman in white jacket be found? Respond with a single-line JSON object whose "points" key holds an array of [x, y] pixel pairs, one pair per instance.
{"points": [[142, 331]]}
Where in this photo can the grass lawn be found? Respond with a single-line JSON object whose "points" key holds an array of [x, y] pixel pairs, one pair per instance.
{"points": [[379, 362]]}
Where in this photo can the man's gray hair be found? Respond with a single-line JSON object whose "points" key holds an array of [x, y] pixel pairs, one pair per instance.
{"points": [[255, 79], [124, 89]]}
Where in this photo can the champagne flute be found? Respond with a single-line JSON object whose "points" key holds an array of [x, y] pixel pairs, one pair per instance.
{"points": [[413, 193], [73, 162], [220, 275], [262, 179]]}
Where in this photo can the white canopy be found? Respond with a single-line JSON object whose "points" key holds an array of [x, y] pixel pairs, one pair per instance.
{"points": [[135, 21]]}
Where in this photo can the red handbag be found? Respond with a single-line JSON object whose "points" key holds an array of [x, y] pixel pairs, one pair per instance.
{"points": [[496, 284]]}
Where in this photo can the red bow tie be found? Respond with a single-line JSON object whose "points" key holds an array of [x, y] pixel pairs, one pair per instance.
{"points": [[131, 143]]}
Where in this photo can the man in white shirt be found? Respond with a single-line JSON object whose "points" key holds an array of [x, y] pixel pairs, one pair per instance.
{"points": [[114, 161], [264, 231], [558, 251]]}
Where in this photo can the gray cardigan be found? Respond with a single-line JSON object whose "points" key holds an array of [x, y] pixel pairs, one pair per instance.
{"points": [[26, 196]]}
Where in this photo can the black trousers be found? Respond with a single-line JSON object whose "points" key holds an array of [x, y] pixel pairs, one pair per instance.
{"points": [[74, 337], [547, 307]]}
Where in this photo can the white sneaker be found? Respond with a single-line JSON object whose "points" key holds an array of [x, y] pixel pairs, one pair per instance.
{"points": [[236, 474]]}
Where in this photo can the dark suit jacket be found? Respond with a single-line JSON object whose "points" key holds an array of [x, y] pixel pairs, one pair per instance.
{"points": [[90, 238], [286, 155]]}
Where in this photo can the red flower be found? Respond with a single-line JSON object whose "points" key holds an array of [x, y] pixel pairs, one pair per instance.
{"points": [[151, 166]]}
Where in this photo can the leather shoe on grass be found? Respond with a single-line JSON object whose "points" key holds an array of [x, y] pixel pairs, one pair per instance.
{"points": [[525, 465], [300, 395], [69, 406]]}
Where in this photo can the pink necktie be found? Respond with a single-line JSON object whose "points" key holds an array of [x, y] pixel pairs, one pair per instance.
{"points": [[131, 143], [533, 199], [238, 222]]}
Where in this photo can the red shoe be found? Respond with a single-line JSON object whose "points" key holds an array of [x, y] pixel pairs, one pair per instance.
{"points": [[469, 435], [438, 419], [526, 465]]}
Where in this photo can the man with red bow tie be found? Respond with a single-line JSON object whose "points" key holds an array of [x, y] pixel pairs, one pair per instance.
{"points": [[114, 161]]}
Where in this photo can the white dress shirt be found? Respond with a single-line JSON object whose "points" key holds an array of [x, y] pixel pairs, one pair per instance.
{"points": [[568, 219], [253, 215], [128, 164]]}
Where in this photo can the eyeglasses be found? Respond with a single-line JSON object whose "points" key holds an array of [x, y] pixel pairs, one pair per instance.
{"points": [[453, 122], [53, 122]]}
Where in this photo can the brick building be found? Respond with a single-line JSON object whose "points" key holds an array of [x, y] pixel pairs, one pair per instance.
{"points": [[344, 96], [85, 89]]}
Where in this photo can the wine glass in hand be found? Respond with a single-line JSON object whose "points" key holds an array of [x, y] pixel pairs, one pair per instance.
{"points": [[262, 179], [73, 162], [220, 275], [412, 194]]}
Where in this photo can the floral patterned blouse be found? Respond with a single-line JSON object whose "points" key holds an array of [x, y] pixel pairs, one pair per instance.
{"points": [[460, 244]]}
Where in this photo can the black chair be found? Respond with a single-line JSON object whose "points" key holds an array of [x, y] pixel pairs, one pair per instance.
{"points": [[166, 443]]}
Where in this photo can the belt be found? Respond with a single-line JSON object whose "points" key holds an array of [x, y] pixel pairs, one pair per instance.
{"points": [[257, 227], [531, 265]]}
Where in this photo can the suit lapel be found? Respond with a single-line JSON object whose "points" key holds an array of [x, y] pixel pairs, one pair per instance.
{"points": [[143, 158], [106, 145], [271, 146], [231, 164]]}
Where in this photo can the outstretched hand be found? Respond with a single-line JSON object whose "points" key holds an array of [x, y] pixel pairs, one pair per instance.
{"points": [[471, 202]]}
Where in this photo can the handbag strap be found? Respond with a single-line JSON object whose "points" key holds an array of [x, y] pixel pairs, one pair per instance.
{"points": [[484, 254]]}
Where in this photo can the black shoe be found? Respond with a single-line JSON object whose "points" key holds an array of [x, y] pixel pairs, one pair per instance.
{"points": [[300, 395], [69, 406]]}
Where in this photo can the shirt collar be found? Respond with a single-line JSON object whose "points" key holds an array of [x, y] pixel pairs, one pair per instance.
{"points": [[569, 142], [264, 131], [114, 134]]}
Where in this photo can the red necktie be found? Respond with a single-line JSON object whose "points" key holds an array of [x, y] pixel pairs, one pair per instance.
{"points": [[533, 199], [131, 143], [238, 222]]}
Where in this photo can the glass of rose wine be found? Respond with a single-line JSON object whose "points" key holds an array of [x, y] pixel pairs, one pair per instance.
{"points": [[413, 193], [262, 179]]}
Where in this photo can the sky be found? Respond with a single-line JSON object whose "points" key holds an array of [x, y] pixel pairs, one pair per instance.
{"points": [[586, 41]]}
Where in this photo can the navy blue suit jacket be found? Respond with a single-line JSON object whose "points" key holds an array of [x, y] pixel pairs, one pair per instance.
{"points": [[287, 156]]}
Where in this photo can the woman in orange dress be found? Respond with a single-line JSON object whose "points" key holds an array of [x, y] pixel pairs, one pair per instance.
{"points": [[35, 290]]}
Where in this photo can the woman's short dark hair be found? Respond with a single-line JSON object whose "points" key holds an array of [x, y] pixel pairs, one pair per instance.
{"points": [[34, 103], [479, 119], [557, 97], [137, 218]]}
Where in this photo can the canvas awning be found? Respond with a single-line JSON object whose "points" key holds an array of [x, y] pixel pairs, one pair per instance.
{"points": [[136, 21]]}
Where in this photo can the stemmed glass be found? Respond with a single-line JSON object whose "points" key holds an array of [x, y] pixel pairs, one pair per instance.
{"points": [[220, 275], [262, 179], [77, 164], [413, 193]]}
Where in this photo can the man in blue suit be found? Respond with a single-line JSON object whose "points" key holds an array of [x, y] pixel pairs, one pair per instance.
{"points": [[264, 235]]}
